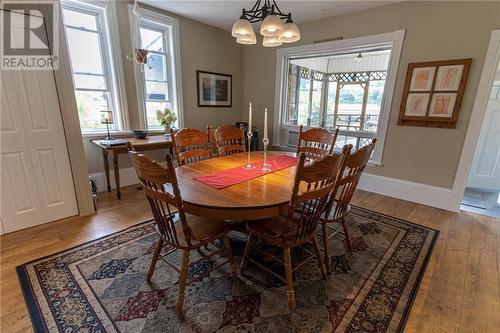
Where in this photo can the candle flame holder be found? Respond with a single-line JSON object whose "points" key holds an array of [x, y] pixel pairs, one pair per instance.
{"points": [[249, 166], [266, 167]]}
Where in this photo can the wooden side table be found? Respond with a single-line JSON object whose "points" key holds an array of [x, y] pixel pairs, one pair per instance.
{"points": [[149, 143]]}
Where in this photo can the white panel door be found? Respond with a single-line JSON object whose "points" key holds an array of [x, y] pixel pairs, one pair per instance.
{"points": [[36, 180], [485, 170]]}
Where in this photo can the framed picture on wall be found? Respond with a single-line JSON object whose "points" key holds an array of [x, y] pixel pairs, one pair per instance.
{"points": [[433, 93], [214, 89]]}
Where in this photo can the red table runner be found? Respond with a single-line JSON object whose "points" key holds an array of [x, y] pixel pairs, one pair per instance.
{"points": [[233, 176]]}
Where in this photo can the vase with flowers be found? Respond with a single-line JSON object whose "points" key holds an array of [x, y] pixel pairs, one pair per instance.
{"points": [[166, 118]]}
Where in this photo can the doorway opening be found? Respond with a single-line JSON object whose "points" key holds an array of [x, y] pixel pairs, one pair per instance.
{"points": [[482, 189]]}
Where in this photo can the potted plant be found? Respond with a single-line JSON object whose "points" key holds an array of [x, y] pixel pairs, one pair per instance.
{"points": [[139, 55], [166, 118]]}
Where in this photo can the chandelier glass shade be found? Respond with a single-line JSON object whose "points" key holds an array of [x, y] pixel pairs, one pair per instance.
{"points": [[290, 34], [242, 28], [271, 41], [247, 40], [272, 28]]}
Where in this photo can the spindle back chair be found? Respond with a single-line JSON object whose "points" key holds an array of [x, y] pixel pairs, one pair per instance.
{"points": [[176, 229], [230, 140], [339, 204], [316, 142], [311, 191], [191, 145]]}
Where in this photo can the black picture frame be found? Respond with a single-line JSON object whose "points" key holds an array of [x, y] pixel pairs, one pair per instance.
{"points": [[214, 89]]}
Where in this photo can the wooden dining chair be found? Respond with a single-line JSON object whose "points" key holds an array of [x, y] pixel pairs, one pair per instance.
{"points": [[312, 186], [316, 142], [230, 140], [177, 230], [339, 204], [191, 145]]}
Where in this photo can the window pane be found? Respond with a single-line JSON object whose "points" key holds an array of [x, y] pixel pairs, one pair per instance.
{"points": [[156, 91], [90, 104], [330, 104], [305, 84], [292, 90], [89, 81], [78, 19], [350, 106], [151, 40], [373, 105], [155, 69], [85, 51], [151, 108], [316, 103], [343, 140]]}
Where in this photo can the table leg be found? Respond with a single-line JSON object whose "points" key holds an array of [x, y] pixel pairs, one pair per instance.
{"points": [[106, 168], [117, 174]]}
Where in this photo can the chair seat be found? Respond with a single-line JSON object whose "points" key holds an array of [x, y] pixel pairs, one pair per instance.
{"points": [[271, 230], [203, 230]]}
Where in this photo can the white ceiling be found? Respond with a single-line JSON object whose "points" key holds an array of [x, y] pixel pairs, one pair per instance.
{"points": [[222, 14]]}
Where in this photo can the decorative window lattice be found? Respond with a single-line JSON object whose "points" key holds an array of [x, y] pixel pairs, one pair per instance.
{"points": [[357, 76]]}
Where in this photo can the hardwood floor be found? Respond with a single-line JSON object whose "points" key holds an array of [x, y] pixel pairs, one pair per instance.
{"points": [[460, 291]]}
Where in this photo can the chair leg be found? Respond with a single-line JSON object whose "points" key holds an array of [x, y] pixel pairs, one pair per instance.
{"points": [[182, 281], [290, 294], [229, 253], [246, 254], [347, 235], [326, 245], [154, 259], [320, 258]]}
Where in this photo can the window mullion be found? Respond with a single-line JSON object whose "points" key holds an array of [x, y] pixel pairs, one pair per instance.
{"points": [[324, 101], [336, 109], [363, 107], [309, 110]]}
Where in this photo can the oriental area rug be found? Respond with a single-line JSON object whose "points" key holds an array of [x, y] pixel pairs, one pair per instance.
{"points": [[101, 286]]}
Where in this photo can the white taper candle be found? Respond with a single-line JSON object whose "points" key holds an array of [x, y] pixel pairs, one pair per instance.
{"points": [[250, 118], [265, 123]]}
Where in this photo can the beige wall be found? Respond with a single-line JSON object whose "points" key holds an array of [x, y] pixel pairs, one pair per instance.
{"points": [[434, 31], [202, 47]]}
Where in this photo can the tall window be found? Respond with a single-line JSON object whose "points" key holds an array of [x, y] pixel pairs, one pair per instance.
{"points": [[157, 80], [87, 35]]}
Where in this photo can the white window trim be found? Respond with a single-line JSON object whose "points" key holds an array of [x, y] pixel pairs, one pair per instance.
{"points": [[175, 89], [113, 61], [391, 39]]}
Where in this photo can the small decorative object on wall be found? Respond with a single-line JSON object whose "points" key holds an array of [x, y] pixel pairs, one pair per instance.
{"points": [[214, 89], [433, 93], [166, 118]]}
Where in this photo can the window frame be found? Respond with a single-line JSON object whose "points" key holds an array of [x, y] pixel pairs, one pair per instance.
{"points": [[170, 28], [107, 30], [392, 40]]}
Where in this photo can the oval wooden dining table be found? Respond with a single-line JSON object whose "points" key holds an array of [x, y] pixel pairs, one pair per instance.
{"points": [[262, 197]]}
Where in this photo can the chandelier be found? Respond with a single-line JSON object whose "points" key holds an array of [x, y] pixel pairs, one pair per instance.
{"points": [[272, 28]]}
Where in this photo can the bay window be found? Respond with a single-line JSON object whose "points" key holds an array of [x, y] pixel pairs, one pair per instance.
{"points": [[329, 85]]}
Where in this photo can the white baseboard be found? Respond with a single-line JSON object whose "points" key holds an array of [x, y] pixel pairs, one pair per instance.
{"points": [[434, 196], [128, 177]]}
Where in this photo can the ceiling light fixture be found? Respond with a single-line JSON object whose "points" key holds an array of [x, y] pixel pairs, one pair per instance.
{"points": [[272, 28], [359, 57]]}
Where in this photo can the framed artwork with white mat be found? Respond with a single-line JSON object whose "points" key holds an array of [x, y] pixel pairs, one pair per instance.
{"points": [[433, 93]]}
